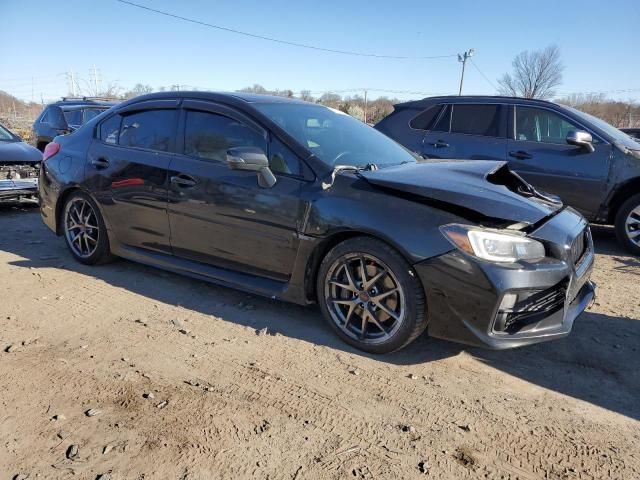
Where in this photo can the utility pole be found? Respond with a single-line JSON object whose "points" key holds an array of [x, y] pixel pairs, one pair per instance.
{"points": [[72, 82], [365, 106], [95, 81], [462, 58]]}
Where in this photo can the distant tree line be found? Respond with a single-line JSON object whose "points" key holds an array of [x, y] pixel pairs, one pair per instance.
{"points": [[618, 113]]}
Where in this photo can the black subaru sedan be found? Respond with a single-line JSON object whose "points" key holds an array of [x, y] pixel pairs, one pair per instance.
{"points": [[300, 202]]}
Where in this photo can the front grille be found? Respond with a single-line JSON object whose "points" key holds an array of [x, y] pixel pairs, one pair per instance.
{"points": [[531, 307], [579, 246]]}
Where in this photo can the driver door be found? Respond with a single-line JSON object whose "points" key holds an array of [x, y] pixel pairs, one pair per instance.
{"points": [[221, 216], [538, 151]]}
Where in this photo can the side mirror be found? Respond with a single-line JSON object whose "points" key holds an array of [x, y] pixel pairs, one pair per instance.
{"points": [[581, 139], [252, 159]]}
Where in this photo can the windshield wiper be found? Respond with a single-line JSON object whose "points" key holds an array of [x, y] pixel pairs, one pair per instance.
{"points": [[347, 168]]}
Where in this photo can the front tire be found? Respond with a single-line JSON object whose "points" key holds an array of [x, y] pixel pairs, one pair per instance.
{"points": [[371, 296], [84, 230], [628, 224]]}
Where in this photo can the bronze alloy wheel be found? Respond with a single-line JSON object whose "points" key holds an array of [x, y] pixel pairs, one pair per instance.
{"points": [[81, 227], [632, 226], [364, 298]]}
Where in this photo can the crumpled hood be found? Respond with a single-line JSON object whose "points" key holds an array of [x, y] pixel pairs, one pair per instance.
{"points": [[486, 187], [19, 152]]}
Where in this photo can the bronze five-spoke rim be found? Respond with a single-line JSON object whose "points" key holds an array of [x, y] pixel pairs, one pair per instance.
{"points": [[364, 298], [81, 227], [632, 225]]}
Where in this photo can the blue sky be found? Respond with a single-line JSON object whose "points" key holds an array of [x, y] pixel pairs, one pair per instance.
{"points": [[44, 39]]}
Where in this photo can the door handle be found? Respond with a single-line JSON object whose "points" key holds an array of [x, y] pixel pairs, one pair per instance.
{"points": [[100, 163], [182, 180], [520, 155], [440, 144]]}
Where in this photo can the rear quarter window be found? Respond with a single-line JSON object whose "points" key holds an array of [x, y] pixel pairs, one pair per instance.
{"points": [[424, 120], [397, 123]]}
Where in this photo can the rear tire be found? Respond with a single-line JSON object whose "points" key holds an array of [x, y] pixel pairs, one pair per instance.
{"points": [[84, 230], [627, 224], [380, 313]]}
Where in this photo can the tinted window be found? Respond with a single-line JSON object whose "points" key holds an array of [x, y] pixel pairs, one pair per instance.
{"points": [[424, 120], [73, 117], [209, 135], [45, 116], [90, 113], [110, 129], [476, 120], [5, 136], [540, 125], [151, 129], [444, 122], [283, 160], [55, 116]]}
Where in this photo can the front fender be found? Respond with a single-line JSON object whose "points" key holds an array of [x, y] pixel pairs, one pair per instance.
{"points": [[410, 227]]}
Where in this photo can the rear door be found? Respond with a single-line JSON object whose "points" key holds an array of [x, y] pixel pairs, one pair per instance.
{"points": [[127, 172], [221, 216], [468, 131], [539, 152]]}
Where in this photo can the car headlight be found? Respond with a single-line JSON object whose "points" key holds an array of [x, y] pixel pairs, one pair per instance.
{"points": [[493, 245]]}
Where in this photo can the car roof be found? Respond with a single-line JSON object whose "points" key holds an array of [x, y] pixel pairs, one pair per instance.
{"points": [[425, 102], [70, 108], [87, 102], [225, 97]]}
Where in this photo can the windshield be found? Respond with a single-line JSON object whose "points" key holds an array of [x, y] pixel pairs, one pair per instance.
{"points": [[335, 137], [614, 134], [5, 135]]}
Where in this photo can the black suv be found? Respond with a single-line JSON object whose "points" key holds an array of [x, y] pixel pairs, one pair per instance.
{"points": [[591, 165], [66, 116]]}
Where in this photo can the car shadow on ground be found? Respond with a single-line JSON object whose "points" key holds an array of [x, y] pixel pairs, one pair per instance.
{"points": [[597, 363]]}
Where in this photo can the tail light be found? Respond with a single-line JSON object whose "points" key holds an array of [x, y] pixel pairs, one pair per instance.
{"points": [[50, 150]]}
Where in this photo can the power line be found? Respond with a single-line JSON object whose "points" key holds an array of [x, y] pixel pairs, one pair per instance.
{"points": [[284, 42], [483, 75]]}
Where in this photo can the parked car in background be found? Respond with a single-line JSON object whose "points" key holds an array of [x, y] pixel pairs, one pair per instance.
{"points": [[632, 132], [591, 165], [19, 166], [303, 203], [66, 116]]}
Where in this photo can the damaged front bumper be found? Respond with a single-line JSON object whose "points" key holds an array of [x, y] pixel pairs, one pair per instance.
{"points": [[501, 306], [12, 189], [18, 180]]}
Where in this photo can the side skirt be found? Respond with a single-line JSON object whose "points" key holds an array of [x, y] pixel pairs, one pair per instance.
{"points": [[228, 278]]}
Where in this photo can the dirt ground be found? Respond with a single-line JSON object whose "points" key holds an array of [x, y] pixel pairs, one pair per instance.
{"points": [[187, 386]]}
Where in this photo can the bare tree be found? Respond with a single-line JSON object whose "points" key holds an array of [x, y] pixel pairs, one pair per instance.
{"points": [[138, 89], [535, 74], [306, 96], [256, 88]]}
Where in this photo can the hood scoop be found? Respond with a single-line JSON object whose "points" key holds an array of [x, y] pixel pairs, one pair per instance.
{"points": [[471, 189]]}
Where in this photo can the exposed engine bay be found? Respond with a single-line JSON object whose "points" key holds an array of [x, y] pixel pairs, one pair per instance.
{"points": [[18, 180]]}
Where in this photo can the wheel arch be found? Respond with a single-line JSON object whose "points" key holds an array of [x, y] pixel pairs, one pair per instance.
{"points": [[320, 252], [62, 199], [622, 193]]}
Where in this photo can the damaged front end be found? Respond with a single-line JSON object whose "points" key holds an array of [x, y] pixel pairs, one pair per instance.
{"points": [[19, 180]]}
